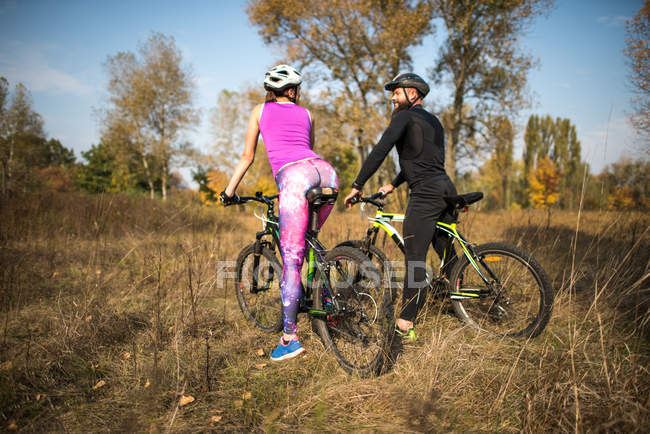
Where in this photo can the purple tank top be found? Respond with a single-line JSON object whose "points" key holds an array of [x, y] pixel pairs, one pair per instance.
{"points": [[286, 132]]}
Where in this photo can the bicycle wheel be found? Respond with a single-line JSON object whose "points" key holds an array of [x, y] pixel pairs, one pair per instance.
{"points": [[359, 328], [258, 288], [380, 260], [518, 300]]}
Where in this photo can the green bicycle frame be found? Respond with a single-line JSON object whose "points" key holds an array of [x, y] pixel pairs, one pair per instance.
{"points": [[382, 221]]}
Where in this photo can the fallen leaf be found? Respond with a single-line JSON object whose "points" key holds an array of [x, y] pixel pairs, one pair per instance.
{"points": [[56, 273], [260, 365], [246, 395], [100, 383], [147, 384], [12, 425], [186, 400], [126, 356], [260, 352], [215, 419]]}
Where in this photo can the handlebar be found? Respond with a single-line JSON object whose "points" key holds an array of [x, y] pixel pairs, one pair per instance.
{"points": [[259, 197], [370, 199]]}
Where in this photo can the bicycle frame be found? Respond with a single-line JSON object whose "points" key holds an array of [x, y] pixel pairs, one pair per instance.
{"points": [[382, 220], [314, 256]]}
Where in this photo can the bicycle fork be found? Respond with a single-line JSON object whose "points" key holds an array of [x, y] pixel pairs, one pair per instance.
{"points": [[257, 253]]}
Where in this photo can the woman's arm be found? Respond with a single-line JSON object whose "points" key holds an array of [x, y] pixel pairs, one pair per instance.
{"points": [[248, 156]]}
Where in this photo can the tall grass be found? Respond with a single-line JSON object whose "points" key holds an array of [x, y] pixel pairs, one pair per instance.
{"points": [[112, 312]]}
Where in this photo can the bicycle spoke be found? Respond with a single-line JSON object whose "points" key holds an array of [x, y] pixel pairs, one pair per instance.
{"points": [[515, 303]]}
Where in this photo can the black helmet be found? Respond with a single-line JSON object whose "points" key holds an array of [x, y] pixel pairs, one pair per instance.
{"points": [[408, 79]]}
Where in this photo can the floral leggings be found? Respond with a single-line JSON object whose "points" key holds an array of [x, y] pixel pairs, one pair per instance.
{"points": [[294, 181]]}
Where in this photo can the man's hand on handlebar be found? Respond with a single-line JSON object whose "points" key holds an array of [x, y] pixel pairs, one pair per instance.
{"points": [[386, 189], [352, 198], [356, 196]]}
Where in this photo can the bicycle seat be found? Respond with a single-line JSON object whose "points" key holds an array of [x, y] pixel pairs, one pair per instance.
{"points": [[462, 200], [322, 195]]}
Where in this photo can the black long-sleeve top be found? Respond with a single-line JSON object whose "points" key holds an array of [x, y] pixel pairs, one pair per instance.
{"points": [[420, 141]]}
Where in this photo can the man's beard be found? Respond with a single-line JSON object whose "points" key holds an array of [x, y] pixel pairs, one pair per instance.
{"points": [[399, 107]]}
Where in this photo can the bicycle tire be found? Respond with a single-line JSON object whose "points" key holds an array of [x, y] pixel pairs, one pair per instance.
{"points": [[264, 307], [525, 300], [360, 329], [380, 260]]}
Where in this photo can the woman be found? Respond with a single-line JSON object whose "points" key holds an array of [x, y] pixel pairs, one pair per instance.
{"points": [[288, 133]]}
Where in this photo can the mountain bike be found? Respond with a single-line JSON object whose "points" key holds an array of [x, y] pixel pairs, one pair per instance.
{"points": [[350, 308], [495, 287]]}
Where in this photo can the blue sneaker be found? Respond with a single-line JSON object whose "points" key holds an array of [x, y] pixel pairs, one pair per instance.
{"points": [[288, 351]]}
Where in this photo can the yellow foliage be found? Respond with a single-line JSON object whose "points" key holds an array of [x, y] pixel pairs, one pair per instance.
{"points": [[544, 184], [621, 198], [217, 181]]}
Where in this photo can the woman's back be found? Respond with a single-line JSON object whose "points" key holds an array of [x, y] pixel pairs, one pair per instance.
{"points": [[286, 131]]}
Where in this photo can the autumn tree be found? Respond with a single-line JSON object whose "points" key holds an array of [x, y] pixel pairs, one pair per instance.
{"points": [[544, 184], [627, 183], [498, 173], [638, 58], [150, 105], [482, 62], [558, 140], [352, 48]]}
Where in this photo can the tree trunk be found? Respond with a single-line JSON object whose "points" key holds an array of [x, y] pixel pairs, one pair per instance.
{"points": [[9, 163], [4, 178], [457, 117], [147, 173], [163, 178]]}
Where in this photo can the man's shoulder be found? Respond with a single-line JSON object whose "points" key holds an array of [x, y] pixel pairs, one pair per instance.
{"points": [[420, 112]]}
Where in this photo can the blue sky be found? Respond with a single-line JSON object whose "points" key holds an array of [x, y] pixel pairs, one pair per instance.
{"points": [[58, 48]]}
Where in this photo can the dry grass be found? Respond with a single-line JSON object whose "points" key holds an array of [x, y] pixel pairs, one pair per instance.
{"points": [[98, 289]]}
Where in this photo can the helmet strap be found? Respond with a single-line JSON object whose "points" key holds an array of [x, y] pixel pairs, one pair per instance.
{"points": [[408, 99]]}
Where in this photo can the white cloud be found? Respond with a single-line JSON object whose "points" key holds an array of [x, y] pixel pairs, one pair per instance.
{"points": [[613, 21], [21, 63]]}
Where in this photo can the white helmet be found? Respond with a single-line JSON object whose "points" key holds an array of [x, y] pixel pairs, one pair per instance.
{"points": [[281, 77]]}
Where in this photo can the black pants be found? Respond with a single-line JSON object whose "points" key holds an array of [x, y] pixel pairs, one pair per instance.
{"points": [[426, 206]]}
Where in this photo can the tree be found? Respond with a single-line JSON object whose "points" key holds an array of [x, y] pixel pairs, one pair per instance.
{"points": [[484, 66], [627, 183], [544, 182], [498, 173], [229, 121], [150, 105], [354, 47], [558, 140], [638, 53], [19, 126]]}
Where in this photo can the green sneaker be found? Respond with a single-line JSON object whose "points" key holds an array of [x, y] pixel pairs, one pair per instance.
{"points": [[409, 336]]}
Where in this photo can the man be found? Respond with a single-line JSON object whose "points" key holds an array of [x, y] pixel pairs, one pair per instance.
{"points": [[420, 141]]}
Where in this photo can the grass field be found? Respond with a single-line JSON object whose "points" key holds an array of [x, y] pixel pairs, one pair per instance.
{"points": [[113, 315]]}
